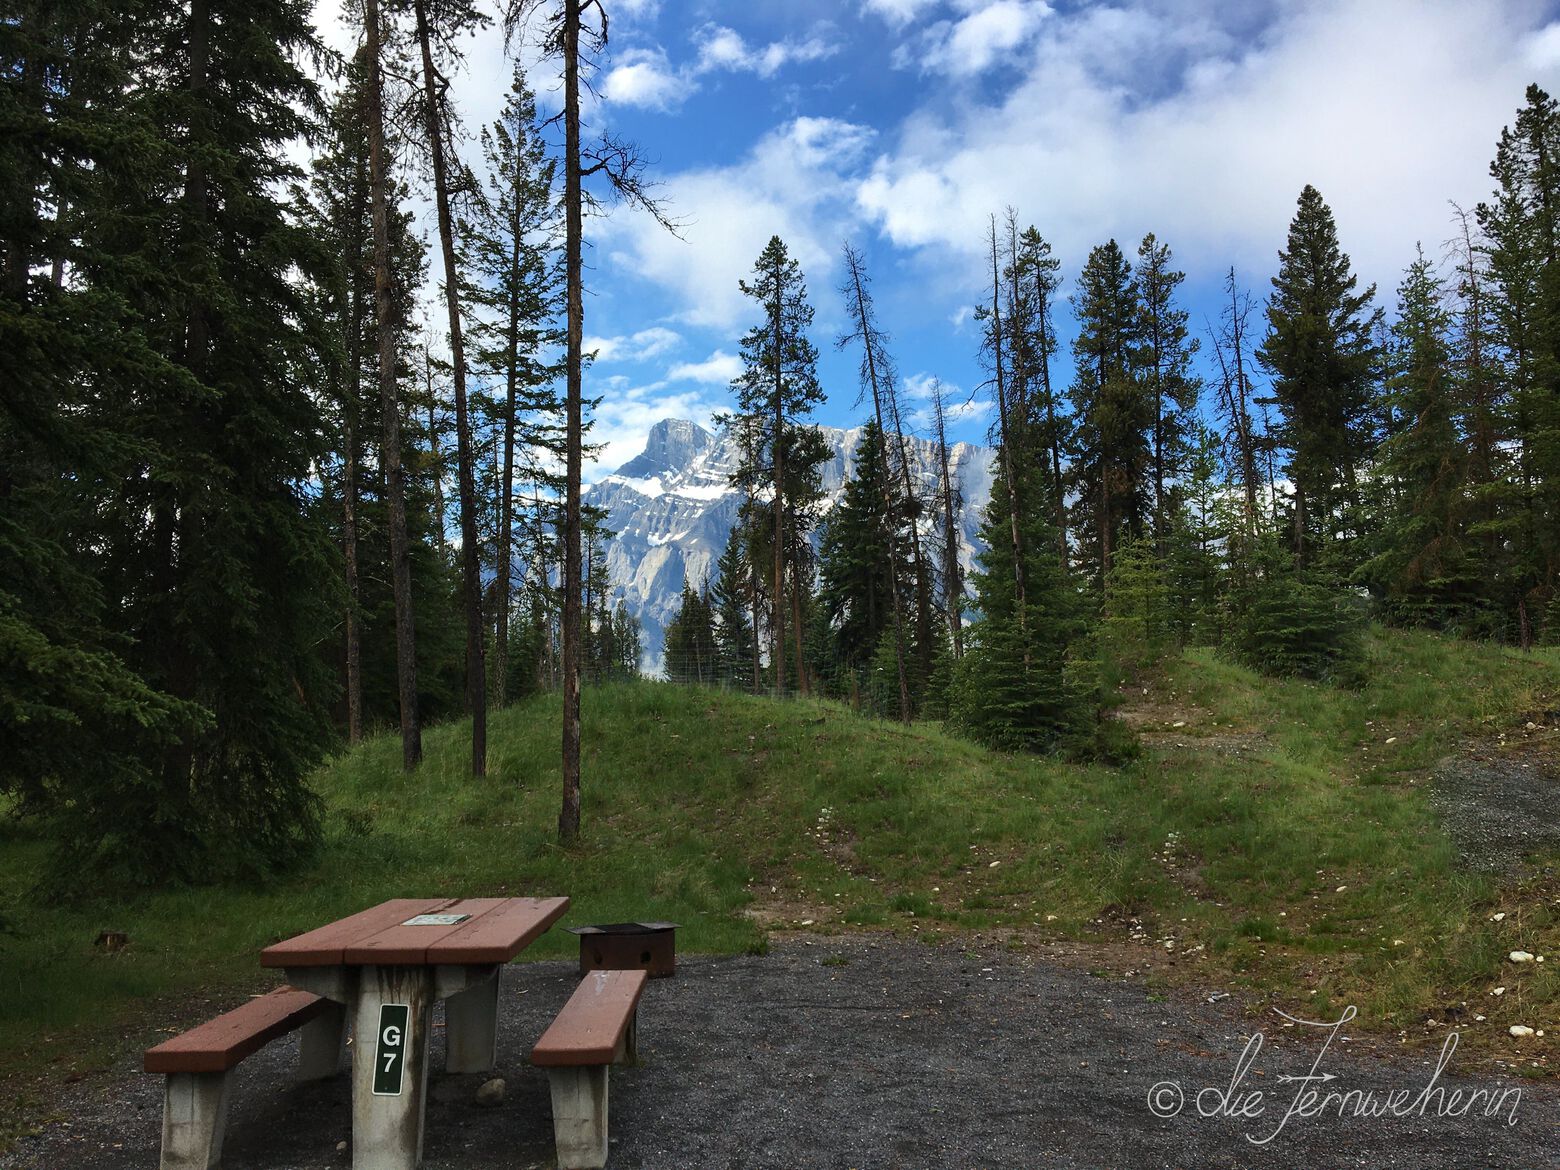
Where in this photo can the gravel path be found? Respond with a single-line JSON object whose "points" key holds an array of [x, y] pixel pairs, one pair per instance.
{"points": [[869, 1052]]}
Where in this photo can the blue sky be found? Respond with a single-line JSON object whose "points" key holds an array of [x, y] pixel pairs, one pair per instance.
{"points": [[902, 124]]}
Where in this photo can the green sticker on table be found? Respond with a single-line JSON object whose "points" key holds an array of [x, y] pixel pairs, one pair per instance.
{"points": [[390, 1049]]}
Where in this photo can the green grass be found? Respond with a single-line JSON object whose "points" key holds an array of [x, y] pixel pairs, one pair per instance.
{"points": [[701, 807]]}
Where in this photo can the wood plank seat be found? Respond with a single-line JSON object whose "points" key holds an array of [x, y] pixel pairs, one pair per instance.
{"points": [[199, 1065], [595, 1029]]}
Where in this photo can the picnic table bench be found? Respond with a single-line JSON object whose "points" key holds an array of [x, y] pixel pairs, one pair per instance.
{"points": [[597, 1028], [199, 1067]]}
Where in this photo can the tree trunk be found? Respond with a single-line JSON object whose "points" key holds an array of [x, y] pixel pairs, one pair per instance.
{"points": [[1006, 435], [507, 475], [953, 587], [777, 463], [569, 815], [351, 468], [470, 549], [395, 487], [349, 548], [438, 456], [888, 490]]}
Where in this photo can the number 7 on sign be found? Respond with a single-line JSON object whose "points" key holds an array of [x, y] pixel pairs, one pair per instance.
{"points": [[390, 1049]]}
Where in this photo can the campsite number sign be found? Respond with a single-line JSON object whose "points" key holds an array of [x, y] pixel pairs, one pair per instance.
{"points": [[390, 1049]]}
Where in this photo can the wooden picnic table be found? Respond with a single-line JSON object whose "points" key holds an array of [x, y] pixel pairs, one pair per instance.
{"points": [[385, 967]]}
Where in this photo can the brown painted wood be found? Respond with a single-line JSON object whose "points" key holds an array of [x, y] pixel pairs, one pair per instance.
{"points": [[500, 935], [326, 946], [398, 945], [219, 1044], [592, 1025]]}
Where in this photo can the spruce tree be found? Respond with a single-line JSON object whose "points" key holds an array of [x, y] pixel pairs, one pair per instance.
{"points": [[512, 264], [1019, 684], [691, 652], [1520, 225], [1037, 272], [213, 555], [1114, 410], [865, 574], [1321, 352], [777, 389], [1425, 571], [80, 723], [879, 380], [1166, 362], [735, 609]]}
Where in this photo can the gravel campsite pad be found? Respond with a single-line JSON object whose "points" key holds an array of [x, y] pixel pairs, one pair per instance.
{"points": [[1498, 808], [873, 1052]]}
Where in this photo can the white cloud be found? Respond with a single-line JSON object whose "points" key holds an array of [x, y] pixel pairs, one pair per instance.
{"points": [[1159, 118], [719, 369], [958, 404], [642, 77], [724, 48], [1542, 49], [898, 12], [646, 343], [645, 77], [797, 182], [988, 32]]}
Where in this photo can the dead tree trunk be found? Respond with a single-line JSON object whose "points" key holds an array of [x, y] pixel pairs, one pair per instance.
{"points": [[569, 815]]}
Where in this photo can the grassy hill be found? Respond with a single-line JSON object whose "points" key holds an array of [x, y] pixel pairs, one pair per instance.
{"points": [[1274, 836]]}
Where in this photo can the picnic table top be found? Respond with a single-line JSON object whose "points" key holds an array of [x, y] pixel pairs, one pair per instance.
{"points": [[488, 930]]}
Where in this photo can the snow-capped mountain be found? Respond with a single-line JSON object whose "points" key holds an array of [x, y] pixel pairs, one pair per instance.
{"points": [[672, 508]]}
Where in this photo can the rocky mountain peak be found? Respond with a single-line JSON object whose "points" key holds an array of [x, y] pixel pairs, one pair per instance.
{"points": [[672, 508]]}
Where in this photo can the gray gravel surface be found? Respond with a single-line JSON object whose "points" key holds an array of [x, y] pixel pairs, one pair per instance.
{"points": [[1498, 808], [870, 1052]]}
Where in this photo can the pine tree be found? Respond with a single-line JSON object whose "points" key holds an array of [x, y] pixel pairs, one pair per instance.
{"points": [[776, 391], [443, 22], [566, 37], [1234, 402], [338, 209], [1322, 354], [1477, 392]]}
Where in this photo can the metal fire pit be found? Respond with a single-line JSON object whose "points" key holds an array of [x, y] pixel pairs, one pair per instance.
{"points": [[629, 946]]}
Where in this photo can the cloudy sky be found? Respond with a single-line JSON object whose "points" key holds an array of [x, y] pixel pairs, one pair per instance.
{"points": [[902, 124]]}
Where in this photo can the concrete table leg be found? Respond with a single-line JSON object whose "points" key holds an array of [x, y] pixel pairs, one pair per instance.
{"points": [[319, 1043], [195, 1109], [471, 1028], [579, 1104], [387, 1128]]}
